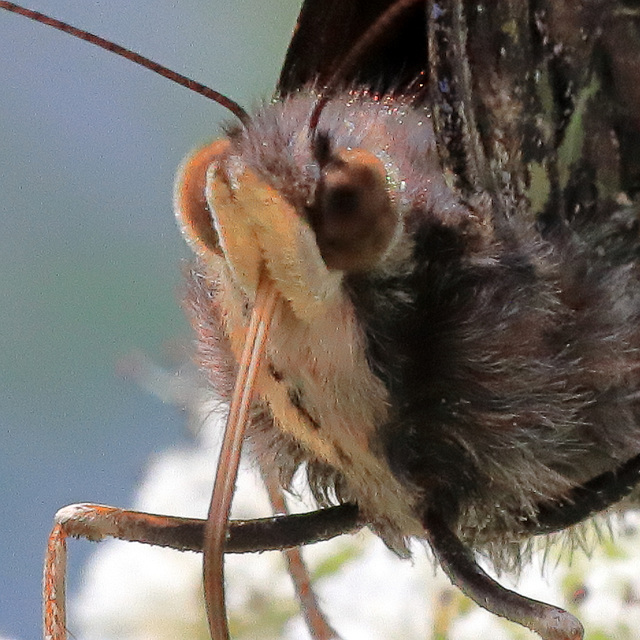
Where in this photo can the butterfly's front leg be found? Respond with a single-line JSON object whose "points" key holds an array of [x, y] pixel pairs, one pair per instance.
{"points": [[96, 522]]}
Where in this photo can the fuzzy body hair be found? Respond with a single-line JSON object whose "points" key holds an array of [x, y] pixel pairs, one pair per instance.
{"points": [[480, 369]]}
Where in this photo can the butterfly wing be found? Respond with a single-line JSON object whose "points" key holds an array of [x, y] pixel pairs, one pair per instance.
{"points": [[537, 106], [328, 29]]}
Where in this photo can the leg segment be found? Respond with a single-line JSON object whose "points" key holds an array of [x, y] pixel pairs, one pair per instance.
{"points": [[318, 625], [549, 622], [586, 500], [96, 522]]}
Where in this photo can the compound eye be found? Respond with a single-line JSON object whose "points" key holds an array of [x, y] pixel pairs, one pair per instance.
{"points": [[353, 217], [342, 202]]}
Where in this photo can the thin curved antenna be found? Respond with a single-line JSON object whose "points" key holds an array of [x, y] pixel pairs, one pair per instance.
{"points": [[178, 78], [372, 36]]}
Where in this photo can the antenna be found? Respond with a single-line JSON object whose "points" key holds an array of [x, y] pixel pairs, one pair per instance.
{"points": [[178, 78]]}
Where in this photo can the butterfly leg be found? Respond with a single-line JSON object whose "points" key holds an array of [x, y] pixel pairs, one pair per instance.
{"points": [[318, 626], [96, 522], [549, 622], [584, 501]]}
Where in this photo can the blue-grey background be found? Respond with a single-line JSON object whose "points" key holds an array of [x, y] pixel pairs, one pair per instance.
{"points": [[89, 252]]}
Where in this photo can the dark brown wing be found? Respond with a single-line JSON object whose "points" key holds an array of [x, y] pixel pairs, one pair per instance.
{"points": [[534, 104], [505, 82], [328, 29]]}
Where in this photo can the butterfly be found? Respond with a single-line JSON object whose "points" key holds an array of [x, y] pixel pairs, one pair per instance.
{"points": [[438, 240]]}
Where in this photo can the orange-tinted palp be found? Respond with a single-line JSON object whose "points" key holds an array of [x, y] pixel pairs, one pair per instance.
{"points": [[190, 203]]}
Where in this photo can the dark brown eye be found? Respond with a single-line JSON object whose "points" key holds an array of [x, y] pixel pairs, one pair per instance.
{"points": [[353, 217], [341, 202]]}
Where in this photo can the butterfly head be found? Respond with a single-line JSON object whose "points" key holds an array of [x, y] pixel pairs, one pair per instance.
{"points": [[350, 186]]}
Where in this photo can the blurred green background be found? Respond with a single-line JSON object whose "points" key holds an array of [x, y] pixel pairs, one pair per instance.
{"points": [[89, 252]]}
